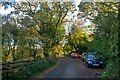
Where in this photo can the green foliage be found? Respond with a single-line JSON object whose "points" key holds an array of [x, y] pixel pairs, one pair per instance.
{"points": [[32, 68], [35, 33], [67, 49], [111, 70], [39, 30], [106, 36], [78, 38]]}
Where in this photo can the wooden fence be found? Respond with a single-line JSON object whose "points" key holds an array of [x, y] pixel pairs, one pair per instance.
{"points": [[14, 67]]}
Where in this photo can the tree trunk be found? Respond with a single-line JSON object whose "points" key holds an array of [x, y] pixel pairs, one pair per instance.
{"points": [[119, 40], [13, 52], [75, 47], [34, 51], [45, 51]]}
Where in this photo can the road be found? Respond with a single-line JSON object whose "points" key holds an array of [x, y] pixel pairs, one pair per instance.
{"points": [[72, 68]]}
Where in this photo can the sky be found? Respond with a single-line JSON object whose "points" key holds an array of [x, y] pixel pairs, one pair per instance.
{"points": [[9, 9]]}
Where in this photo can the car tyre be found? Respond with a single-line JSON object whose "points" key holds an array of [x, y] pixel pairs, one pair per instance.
{"points": [[86, 65], [83, 60]]}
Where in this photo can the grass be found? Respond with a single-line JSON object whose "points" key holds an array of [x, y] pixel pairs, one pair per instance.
{"points": [[32, 68]]}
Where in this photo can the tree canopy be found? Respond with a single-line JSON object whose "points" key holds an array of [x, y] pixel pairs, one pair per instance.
{"points": [[105, 17], [37, 30]]}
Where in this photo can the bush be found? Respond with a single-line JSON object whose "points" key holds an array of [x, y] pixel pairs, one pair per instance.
{"points": [[32, 68]]}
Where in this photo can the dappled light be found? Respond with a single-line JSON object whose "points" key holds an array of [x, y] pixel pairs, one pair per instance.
{"points": [[35, 35]]}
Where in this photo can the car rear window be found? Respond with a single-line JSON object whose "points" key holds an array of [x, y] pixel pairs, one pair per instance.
{"points": [[91, 57]]}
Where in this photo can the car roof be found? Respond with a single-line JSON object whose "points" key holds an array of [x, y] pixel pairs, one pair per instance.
{"points": [[91, 53]]}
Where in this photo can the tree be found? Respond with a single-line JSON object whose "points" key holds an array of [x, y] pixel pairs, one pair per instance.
{"points": [[38, 27], [78, 37], [105, 17]]}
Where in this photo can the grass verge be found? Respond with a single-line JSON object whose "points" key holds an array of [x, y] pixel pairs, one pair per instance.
{"points": [[32, 68]]}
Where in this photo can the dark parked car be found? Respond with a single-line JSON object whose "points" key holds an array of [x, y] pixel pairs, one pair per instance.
{"points": [[91, 60], [88, 53], [83, 56]]}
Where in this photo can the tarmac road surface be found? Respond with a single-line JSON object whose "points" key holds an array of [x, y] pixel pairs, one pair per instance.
{"points": [[72, 68]]}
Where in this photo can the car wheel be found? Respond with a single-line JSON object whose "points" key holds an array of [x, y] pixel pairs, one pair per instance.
{"points": [[86, 64], [83, 60]]}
